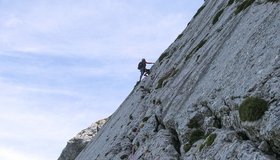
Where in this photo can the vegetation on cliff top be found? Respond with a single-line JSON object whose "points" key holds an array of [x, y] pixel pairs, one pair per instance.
{"points": [[199, 10]]}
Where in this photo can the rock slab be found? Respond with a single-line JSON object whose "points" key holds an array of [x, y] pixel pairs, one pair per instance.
{"points": [[188, 107]]}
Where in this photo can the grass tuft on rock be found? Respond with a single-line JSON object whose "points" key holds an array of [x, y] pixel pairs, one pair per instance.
{"points": [[217, 16], [162, 56], [196, 135], [194, 123], [201, 146], [230, 2], [161, 81], [124, 156], [243, 6], [187, 147], [131, 117], [179, 36], [199, 10], [252, 109], [201, 44], [210, 139], [145, 119]]}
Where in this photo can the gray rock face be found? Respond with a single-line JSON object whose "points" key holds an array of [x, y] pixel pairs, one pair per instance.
{"points": [[77, 144], [188, 107]]}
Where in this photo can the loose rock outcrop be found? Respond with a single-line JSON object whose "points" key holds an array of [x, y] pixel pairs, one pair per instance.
{"points": [[189, 107], [77, 144]]}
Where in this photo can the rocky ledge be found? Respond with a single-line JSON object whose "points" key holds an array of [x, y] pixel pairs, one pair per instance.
{"points": [[78, 143]]}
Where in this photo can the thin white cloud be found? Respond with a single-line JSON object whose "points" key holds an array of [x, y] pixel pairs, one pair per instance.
{"points": [[93, 30]]}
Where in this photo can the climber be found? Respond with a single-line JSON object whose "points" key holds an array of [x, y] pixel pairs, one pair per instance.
{"points": [[142, 67]]}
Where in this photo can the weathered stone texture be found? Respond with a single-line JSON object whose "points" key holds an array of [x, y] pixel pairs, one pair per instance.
{"points": [[188, 107], [77, 144]]}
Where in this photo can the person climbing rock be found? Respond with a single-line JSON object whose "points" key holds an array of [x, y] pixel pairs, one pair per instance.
{"points": [[142, 67]]}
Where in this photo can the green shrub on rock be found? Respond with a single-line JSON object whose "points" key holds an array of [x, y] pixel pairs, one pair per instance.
{"points": [[252, 109], [243, 6], [179, 36], [162, 56], [145, 119], [194, 123], [162, 82], [210, 139], [194, 50], [199, 10], [217, 16], [201, 146], [230, 2], [196, 135], [124, 156], [187, 147]]}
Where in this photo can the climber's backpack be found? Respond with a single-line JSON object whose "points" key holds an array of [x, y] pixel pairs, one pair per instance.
{"points": [[140, 65]]}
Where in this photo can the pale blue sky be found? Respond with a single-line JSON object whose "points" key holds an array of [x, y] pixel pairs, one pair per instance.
{"points": [[65, 64]]}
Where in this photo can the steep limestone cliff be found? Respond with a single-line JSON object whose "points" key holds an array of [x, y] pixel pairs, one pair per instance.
{"points": [[78, 143], [213, 93]]}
